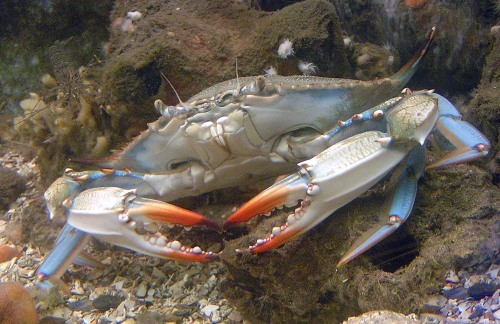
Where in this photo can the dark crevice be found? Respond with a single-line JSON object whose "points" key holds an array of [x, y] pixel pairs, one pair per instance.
{"points": [[395, 252]]}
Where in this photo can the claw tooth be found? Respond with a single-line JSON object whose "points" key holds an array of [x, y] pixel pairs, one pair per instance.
{"points": [[279, 207], [188, 228], [267, 214], [260, 241], [162, 241], [276, 230], [176, 245], [196, 250], [153, 240], [207, 124], [123, 218], [313, 189], [146, 237], [291, 219], [132, 224], [290, 204]]}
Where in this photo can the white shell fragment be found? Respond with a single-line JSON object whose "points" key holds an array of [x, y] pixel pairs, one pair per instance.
{"points": [[134, 15]]}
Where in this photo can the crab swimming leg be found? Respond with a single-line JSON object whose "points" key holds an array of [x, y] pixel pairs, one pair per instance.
{"points": [[464, 140], [466, 143]]}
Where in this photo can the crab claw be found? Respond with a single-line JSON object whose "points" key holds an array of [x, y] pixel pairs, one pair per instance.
{"points": [[464, 140], [118, 216], [324, 183]]}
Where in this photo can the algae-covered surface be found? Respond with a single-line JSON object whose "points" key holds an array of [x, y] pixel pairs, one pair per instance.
{"points": [[195, 44]]}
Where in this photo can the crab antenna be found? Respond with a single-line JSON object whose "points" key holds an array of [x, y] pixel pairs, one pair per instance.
{"points": [[176, 94], [237, 79]]}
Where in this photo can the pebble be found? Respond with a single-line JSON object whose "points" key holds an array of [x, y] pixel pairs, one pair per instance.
{"points": [[209, 309], [142, 289], [105, 302], [496, 315]]}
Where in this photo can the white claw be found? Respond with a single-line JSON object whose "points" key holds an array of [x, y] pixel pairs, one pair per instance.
{"points": [[291, 219], [276, 230]]}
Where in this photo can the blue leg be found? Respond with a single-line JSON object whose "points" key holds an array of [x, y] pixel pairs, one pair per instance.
{"points": [[69, 244], [452, 133], [401, 206]]}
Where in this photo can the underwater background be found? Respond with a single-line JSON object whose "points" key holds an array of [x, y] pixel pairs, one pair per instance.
{"points": [[441, 265]]}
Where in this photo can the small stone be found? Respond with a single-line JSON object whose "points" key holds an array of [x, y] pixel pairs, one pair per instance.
{"points": [[452, 277], [105, 302], [496, 315], [209, 309], [142, 289], [82, 305], [52, 320], [456, 293], [481, 290], [434, 304], [182, 312], [235, 316], [216, 318], [150, 317]]}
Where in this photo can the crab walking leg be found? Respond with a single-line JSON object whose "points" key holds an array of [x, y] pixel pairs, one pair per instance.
{"points": [[465, 141], [401, 206], [118, 216], [325, 183], [69, 245]]}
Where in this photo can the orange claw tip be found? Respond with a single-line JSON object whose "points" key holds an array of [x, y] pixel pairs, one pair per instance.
{"points": [[274, 241], [168, 213], [192, 257]]}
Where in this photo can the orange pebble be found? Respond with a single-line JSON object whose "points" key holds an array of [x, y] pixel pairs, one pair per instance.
{"points": [[415, 4], [16, 305], [8, 253]]}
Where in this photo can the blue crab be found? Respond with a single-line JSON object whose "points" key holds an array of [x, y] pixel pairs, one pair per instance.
{"points": [[253, 128]]}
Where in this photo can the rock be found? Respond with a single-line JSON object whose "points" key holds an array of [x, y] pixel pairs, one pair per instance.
{"points": [[480, 290], [150, 317], [383, 317], [82, 305], [11, 186], [434, 304], [142, 289], [105, 302], [52, 320], [8, 253], [16, 305]]}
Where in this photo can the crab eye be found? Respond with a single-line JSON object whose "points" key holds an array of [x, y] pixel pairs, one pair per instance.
{"points": [[203, 107], [224, 99]]}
